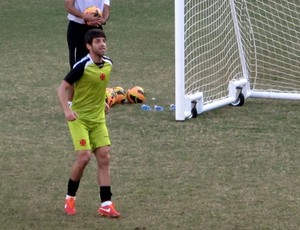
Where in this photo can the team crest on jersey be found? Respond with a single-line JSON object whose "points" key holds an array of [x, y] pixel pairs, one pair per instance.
{"points": [[102, 76], [82, 142]]}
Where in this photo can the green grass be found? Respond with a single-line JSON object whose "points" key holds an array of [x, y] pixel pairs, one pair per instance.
{"points": [[231, 168]]}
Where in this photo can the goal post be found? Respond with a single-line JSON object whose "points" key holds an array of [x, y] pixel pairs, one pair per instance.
{"points": [[229, 50]]}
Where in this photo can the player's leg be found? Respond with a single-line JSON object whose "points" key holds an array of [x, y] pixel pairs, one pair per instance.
{"points": [[75, 41], [82, 159], [103, 160], [100, 139], [104, 180], [81, 50], [72, 41], [80, 138]]}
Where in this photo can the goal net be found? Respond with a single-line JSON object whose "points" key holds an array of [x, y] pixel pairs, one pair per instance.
{"points": [[229, 50]]}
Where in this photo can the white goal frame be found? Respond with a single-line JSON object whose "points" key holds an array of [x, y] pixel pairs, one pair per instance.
{"points": [[242, 80]]}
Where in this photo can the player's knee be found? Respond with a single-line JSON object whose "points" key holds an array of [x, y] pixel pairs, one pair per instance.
{"points": [[84, 157], [103, 155]]}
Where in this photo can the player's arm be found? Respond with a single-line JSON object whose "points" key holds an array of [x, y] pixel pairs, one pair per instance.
{"points": [[70, 8], [62, 93], [107, 108], [98, 21], [64, 88], [105, 14]]}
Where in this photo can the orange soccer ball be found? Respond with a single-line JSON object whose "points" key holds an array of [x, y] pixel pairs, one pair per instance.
{"points": [[94, 11], [111, 97], [121, 95], [136, 94]]}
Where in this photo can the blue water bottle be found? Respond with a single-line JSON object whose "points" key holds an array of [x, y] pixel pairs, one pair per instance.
{"points": [[158, 108], [145, 107], [172, 107]]}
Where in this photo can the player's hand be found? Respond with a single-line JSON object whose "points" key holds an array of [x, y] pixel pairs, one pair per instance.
{"points": [[88, 17], [107, 108], [70, 115], [102, 21], [92, 20]]}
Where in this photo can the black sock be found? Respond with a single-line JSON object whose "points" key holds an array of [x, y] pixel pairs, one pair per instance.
{"points": [[105, 193], [72, 187]]}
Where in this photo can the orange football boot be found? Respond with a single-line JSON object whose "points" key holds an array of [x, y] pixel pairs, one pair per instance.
{"points": [[70, 205], [109, 211]]}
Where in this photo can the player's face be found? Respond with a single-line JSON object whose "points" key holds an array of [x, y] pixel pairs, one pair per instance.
{"points": [[98, 46]]}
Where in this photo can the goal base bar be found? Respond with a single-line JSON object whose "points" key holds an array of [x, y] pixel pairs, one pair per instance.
{"points": [[274, 95], [196, 101]]}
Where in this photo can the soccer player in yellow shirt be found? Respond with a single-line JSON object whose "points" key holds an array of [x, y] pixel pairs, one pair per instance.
{"points": [[86, 120]]}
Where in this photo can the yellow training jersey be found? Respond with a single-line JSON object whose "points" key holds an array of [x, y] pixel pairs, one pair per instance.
{"points": [[90, 81]]}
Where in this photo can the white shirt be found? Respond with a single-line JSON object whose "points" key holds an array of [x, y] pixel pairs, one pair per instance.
{"points": [[81, 5]]}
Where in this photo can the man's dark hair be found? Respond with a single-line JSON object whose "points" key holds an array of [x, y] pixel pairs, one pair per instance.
{"points": [[93, 33]]}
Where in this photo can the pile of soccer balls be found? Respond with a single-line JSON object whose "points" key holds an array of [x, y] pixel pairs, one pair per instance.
{"points": [[118, 95]]}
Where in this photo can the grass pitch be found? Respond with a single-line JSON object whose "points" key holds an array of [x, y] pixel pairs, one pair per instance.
{"points": [[231, 168]]}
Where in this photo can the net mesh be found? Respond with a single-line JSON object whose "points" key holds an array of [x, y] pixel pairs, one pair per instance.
{"points": [[272, 44], [270, 33]]}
